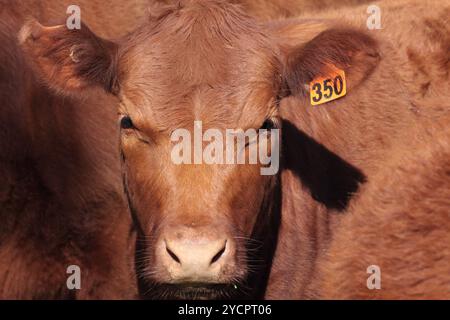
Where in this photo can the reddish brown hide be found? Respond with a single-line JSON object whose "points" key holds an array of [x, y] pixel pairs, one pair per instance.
{"points": [[206, 230], [61, 197]]}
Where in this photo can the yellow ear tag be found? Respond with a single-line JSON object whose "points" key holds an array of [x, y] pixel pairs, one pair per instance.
{"points": [[328, 88]]}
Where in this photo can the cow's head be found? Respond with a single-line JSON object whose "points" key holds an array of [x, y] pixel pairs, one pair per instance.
{"points": [[198, 66]]}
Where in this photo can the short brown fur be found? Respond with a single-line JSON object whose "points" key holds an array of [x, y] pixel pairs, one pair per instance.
{"points": [[207, 60], [61, 195]]}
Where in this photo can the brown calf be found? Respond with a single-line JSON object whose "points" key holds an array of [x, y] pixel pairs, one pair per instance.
{"points": [[61, 196], [211, 230]]}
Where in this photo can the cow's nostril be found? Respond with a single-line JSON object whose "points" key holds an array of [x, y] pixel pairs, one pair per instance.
{"points": [[173, 255], [219, 254]]}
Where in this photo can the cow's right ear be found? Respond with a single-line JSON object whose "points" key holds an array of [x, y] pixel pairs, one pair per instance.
{"points": [[70, 60]]}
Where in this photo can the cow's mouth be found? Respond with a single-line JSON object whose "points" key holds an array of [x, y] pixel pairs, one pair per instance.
{"points": [[194, 291]]}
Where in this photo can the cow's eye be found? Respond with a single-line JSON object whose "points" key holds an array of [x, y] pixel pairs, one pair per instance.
{"points": [[126, 123], [268, 124]]}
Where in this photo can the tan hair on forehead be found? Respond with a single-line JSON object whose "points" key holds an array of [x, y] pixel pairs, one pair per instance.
{"points": [[201, 61]]}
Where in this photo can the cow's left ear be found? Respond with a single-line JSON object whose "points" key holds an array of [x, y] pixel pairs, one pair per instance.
{"points": [[333, 50], [70, 60]]}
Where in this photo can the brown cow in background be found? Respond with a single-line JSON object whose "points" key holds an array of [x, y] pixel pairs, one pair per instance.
{"points": [[61, 195], [399, 223], [197, 224], [403, 90]]}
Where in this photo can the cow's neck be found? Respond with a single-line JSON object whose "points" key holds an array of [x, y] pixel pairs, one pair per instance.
{"points": [[316, 188]]}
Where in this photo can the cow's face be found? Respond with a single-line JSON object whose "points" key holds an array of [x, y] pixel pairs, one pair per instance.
{"points": [[186, 81], [185, 92]]}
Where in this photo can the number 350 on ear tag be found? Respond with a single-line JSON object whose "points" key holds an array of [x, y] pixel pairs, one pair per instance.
{"points": [[328, 88]]}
